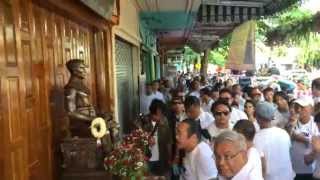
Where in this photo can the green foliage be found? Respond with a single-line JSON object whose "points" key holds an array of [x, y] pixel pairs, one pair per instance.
{"points": [[219, 55], [310, 50], [289, 27], [293, 27], [190, 55]]}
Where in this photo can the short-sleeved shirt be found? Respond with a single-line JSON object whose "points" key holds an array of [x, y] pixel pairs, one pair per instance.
{"points": [[237, 115], [199, 163], [275, 145], [299, 149], [207, 106]]}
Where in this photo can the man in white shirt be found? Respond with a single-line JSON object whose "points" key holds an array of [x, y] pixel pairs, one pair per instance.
{"points": [[146, 99], [195, 88], [221, 112], [282, 115], [206, 100], [236, 114], [194, 111], [301, 135], [268, 94], [231, 158], [236, 89], [155, 91], [198, 162], [256, 158], [274, 143]]}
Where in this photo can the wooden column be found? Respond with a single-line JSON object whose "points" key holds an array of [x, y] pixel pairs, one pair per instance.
{"points": [[204, 63]]}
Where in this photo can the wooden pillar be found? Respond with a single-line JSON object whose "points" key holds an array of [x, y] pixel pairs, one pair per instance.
{"points": [[204, 63]]}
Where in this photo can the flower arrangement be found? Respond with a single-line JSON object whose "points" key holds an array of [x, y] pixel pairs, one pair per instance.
{"points": [[139, 139], [129, 159]]}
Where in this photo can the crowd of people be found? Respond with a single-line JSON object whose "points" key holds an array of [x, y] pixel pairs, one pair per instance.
{"points": [[221, 130]]}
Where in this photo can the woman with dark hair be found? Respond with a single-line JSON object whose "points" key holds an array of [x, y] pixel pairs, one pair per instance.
{"points": [[249, 109]]}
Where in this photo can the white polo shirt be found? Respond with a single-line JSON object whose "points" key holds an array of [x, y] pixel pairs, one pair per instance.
{"points": [[199, 164], [214, 131], [275, 145], [206, 119], [207, 107], [195, 93], [299, 149], [237, 115], [254, 157]]}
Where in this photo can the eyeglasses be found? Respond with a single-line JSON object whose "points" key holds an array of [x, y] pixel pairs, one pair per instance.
{"points": [[226, 157], [225, 113]]}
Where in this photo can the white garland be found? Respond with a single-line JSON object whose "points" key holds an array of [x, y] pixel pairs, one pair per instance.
{"points": [[98, 123]]}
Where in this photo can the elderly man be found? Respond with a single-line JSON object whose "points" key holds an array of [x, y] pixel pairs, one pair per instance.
{"points": [[301, 135], [274, 143], [231, 158], [198, 162]]}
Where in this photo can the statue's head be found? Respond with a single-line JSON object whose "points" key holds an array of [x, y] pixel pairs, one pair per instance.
{"points": [[77, 68]]}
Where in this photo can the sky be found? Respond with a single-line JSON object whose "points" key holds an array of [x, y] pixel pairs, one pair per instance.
{"points": [[312, 5]]}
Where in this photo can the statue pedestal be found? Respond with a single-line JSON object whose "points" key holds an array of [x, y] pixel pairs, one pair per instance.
{"points": [[82, 160]]}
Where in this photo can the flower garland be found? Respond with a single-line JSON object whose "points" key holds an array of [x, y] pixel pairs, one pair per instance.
{"points": [[98, 128], [129, 159]]}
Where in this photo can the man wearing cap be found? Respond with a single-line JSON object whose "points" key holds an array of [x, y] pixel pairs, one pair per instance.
{"points": [[301, 135], [274, 143]]}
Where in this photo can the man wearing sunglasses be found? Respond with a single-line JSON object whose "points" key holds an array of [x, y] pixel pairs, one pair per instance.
{"points": [[221, 111], [236, 114]]}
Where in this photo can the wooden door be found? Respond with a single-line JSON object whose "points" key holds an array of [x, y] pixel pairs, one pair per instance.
{"points": [[12, 90], [35, 44]]}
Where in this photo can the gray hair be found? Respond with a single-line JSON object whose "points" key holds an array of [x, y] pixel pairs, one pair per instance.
{"points": [[235, 138]]}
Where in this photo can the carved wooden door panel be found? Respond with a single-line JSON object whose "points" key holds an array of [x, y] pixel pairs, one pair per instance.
{"points": [[12, 90], [35, 44]]}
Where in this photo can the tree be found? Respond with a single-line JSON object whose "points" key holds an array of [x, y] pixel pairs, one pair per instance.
{"points": [[292, 28], [219, 54]]}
